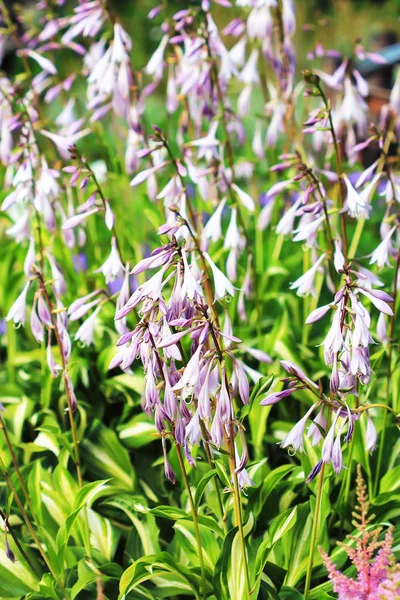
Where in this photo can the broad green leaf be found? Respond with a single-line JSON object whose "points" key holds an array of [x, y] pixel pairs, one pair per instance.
{"points": [[186, 539], [138, 432], [105, 456], [390, 481], [201, 486], [288, 593], [159, 565], [282, 524]]}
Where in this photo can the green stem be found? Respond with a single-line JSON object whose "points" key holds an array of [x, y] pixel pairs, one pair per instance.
{"points": [[11, 351], [339, 175], [388, 376], [360, 224], [215, 480], [314, 532], [187, 485], [17, 543], [195, 520], [29, 525], [15, 463], [237, 504]]}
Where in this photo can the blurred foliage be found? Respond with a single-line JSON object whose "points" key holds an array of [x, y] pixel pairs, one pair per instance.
{"points": [[128, 531]]}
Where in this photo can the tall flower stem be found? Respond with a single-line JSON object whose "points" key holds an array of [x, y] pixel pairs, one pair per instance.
{"points": [[338, 170], [86, 166], [315, 528], [213, 312], [65, 376], [215, 482], [186, 481], [17, 543], [230, 158], [382, 161], [237, 504], [314, 532], [195, 519], [29, 525], [15, 463], [238, 507], [388, 376]]}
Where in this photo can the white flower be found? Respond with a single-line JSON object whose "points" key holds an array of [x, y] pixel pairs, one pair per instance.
{"points": [[305, 283], [334, 340], [244, 198], [249, 75], [232, 237], [355, 203], [285, 225], [308, 230], [221, 283], [380, 255], [212, 229], [85, 332], [156, 62], [113, 266], [338, 258], [30, 258], [191, 286], [17, 312]]}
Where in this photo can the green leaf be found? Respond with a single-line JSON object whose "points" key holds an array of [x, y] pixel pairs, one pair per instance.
{"points": [[390, 481], [186, 539], [289, 593], [201, 486], [282, 524], [104, 455], [159, 566], [138, 432]]}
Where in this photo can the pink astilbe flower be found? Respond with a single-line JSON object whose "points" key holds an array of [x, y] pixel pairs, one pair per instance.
{"points": [[378, 577]]}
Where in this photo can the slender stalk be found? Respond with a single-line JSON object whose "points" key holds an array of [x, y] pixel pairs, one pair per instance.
{"points": [[65, 376], [102, 197], [315, 529], [238, 507], [195, 519], [388, 376], [338, 172], [361, 222], [29, 525], [207, 279], [11, 351], [233, 470], [314, 532], [18, 545], [216, 486], [213, 312], [15, 463], [186, 480]]}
